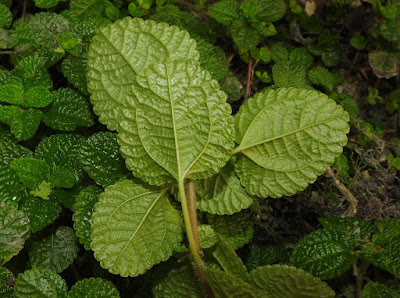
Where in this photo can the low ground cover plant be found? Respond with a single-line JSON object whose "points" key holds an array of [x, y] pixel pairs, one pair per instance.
{"points": [[166, 149]]}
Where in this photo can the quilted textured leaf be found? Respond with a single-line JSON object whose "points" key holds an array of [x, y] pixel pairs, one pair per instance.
{"points": [[134, 227], [236, 228], [179, 283], [93, 287], [120, 51], [68, 111], [40, 212], [207, 236], [31, 171], [261, 255], [40, 282], [222, 193], [226, 285], [389, 228], [83, 210], [14, 231], [285, 281], [5, 16], [181, 119], [10, 149], [23, 123], [10, 188], [88, 8], [6, 289], [56, 251], [287, 138], [325, 253], [74, 69], [100, 157], [353, 227], [376, 289]]}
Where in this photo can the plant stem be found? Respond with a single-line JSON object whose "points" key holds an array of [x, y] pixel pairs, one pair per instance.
{"points": [[194, 248], [248, 84], [360, 277], [191, 200]]}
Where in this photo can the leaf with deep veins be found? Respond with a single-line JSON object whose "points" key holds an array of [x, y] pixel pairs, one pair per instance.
{"points": [[134, 227], [181, 119], [287, 138]]}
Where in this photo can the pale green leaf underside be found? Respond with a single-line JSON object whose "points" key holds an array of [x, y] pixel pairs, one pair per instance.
{"points": [[286, 281], [57, 251], [222, 193], [178, 119], [122, 50], [287, 138], [40, 282], [134, 227]]}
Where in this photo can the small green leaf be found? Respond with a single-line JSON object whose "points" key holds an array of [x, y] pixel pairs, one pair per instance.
{"points": [[207, 236], [23, 123], [10, 149], [57, 251], [279, 53], [236, 229], [61, 150], [389, 228], [265, 255], [301, 56], [42, 191], [31, 171], [325, 253], [212, 59], [45, 3], [93, 287], [40, 282], [226, 285], [230, 262], [83, 210], [85, 9], [41, 213], [287, 138], [100, 158], [289, 74], [134, 227], [320, 76], [358, 42], [264, 10], [384, 64], [68, 111], [10, 188], [244, 36], [74, 69], [224, 11], [7, 281], [389, 30], [232, 87], [376, 289], [62, 177], [5, 17], [15, 230], [278, 281], [222, 193], [179, 283], [354, 228]]}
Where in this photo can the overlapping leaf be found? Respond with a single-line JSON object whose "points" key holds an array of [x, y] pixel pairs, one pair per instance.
{"points": [[23, 123], [10, 188], [287, 138], [134, 227], [207, 236], [14, 231], [222, 193], [261, 255], [376, 289], [57, 251], [74, 69], [40, 282], [100, 157], [286, 281], [10, 149], [83, 210], [93, 287], [6, 283], [5, 16]]}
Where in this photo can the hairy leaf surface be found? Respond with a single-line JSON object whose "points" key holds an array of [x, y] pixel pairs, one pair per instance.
{"points": [[56, 251], [93, 287], [134, 227], [287, 138], [40, 282], [222, 193], [14, 231], [83, 210], [285, 281]]}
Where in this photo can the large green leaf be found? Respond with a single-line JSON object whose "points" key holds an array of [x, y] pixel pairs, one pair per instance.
{"points": [[10, 188], [101, 159], [278, 281], [14, 231], [83, 210], [120, 51], [134, 227], [326, 253], [74, 69], [222, 193], [179, 283], [93, 287], [353, 227], [31, 171], [287, 137], [10, 149], [187, 130], [227, 285], [40, 212], [376, 289], [389, 228], [40, 282], [6, 283]]}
